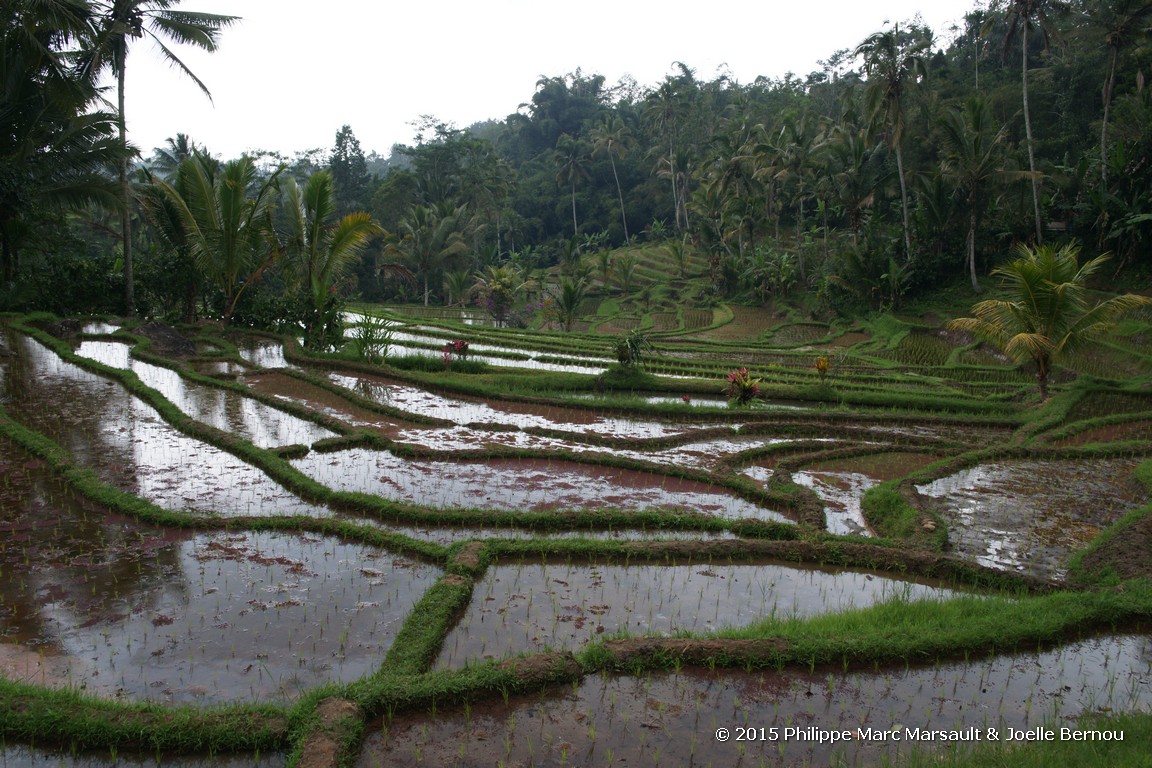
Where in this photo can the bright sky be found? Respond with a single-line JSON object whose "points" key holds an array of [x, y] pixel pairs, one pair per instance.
{"points": [[292, 72]]}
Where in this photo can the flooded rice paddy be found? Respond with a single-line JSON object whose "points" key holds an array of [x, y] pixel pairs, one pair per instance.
{"points": [[671, 718], [525, 607], [101, 603], [520, 484], [1032, 515], [126, 611]]}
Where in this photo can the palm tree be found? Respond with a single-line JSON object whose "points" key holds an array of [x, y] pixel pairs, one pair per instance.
{"points": [[855, 172], [321, 249], [1046, 312], [567, 299], [1123, 23], [892, 67], [611, 137], [1024, 16], [975, 162], [118, 23], [572, 169], [55, 151], [428, 237], [226, 212]]}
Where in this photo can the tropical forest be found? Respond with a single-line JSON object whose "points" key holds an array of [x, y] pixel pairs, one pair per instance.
{"points": [[798, 421]]}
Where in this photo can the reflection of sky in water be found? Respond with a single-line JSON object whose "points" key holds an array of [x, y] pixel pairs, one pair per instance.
{"points": [[263, 425], [1031, 515], [241, 616], [509, 484], [528, 608], [424, 403], [130, 446], [840, 492], [647, 719]]}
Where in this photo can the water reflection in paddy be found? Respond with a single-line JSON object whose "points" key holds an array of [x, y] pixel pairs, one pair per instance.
{"points": [[526, 607], [129, 446], [425, 403], [1032, 515], [519, 484], [220, 616], [263, 425], [671, 718]]}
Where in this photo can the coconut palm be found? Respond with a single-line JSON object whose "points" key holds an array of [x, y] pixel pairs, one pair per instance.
{"points": [[1023, 17], [119, 22], [893, 66], [572, 169], [611, 137], [1046, 312], [1123, 23], [226, 212], [428, 237], [55, 151], [975, 162], [567, 299], [321, 248]]}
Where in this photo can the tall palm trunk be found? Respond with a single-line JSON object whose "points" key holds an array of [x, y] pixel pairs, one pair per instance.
{"points": [[904, 202], [1109, 85], [1028, 133], [619, 194], [125, 189], [575, 225], [972, 248]]}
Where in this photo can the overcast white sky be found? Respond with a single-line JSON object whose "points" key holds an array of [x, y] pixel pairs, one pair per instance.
{"points": [[291, 72]]}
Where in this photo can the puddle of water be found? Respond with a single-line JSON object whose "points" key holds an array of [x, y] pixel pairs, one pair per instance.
{"points": [[228, 411], [519, 484], [668, 718], [1032, 515], [218, 617], [129, 446], [14, 756], [528, 607]]}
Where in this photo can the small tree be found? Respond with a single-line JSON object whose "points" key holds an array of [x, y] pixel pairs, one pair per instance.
{"points": [[630, 349], [1046, 312]]}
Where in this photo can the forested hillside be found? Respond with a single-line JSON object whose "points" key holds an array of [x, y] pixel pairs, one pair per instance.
{"points": [[915, 160]]}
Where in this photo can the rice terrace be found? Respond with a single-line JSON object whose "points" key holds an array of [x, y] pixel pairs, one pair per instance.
{"points": [[729, 420], [220, 547]]}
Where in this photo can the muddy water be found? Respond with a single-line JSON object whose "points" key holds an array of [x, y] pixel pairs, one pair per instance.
{"points": [[515, 484], [1032, 516], [30, 757], [841, 483], [129, 446], [212, 617], [529, 608], [228, 411], [671, 719]]}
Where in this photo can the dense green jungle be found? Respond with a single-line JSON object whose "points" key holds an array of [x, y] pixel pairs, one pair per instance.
{"points": [[805, 421]]}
